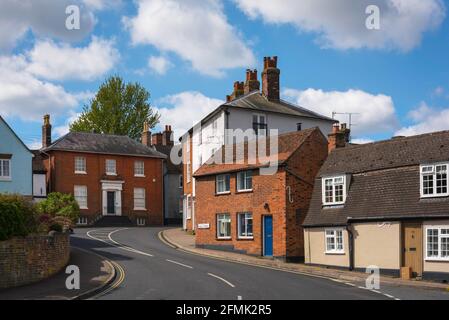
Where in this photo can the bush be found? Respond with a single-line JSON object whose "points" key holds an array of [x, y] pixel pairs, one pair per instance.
{"points": [[59, 205], [55, 227], [16, 217]]}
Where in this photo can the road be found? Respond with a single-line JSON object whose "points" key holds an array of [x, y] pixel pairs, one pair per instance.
{"points": [[151, 270]]}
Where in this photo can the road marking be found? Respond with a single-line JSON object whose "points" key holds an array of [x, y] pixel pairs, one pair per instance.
{"points": [[240, 298], [220, 278], [121, 278], [161, 238], [179, 264]]}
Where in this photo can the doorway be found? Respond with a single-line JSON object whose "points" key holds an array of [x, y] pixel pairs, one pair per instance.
{"points": [[268, 236], [412, 244], [111, 203]]}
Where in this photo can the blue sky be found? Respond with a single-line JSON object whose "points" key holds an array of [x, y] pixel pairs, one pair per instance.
{"points": [[188, 53]]}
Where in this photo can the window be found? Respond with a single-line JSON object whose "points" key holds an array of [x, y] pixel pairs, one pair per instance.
{"points": [[139, 169], [334, 241], [299, 127], [437, 239], [111, 168], [5, 169], [80, 165], [181, 181], [214, 127], [224, 226], [181, 206], [223, 183], [81, 196], [334, 190], [139, 199], [260, 124], [82, 221], [434, 180], [141, 222], [189, 207], [189, 172], [245, 225], [245, 181]]}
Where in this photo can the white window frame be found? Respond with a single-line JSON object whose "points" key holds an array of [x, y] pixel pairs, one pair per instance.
{"points": [[440, 236], [189, 207], [80, 169], [334, 184], [218, 180], [248, 216], [433, 172], [138, 200], [141, 222], [245, 180], [77, 195], [82, 221], [4, 177], [226, 218], [335, 237], [108, 166], [139, 171]]}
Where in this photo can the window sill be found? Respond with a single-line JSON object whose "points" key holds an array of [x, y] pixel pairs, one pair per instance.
{"points": [[111, 174], [437, 259], [81, 172], [244, 191], [436, 196], [6, 179], [223, 193], [139, 176], [140, 209], [84, 208], [224, 239], [335, 253]]}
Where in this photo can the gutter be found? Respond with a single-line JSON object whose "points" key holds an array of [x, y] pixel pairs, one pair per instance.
{"points": [[351, 246]]}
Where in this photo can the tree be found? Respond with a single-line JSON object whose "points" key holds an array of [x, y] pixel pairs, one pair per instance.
{"points": [[118, 108]]}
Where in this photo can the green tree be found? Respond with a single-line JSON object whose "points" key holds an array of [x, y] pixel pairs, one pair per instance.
{"points": [[118, 108]]}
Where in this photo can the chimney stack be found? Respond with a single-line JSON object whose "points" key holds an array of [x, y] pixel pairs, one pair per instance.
{"points": [[157, 139], [168, 136], [339, 137], [252, 83], [271, 79], [46, 132], [146, 135], [239, 90]]}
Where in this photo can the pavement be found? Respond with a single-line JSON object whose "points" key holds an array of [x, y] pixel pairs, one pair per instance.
{"points": [[96, 274], [185, 241], [152, 269]]}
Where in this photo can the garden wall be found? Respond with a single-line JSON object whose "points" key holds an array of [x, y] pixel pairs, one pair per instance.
{"points": [[33, 258]]}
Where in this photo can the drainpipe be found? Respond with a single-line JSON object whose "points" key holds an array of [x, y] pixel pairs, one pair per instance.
{"points": [[351, 246]]}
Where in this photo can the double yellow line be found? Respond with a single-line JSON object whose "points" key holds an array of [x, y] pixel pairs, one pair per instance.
{"points": [[120, 279]]}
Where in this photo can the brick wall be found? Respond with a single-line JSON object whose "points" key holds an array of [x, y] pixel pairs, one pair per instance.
{"points": [[31, 259], [63, 179]]}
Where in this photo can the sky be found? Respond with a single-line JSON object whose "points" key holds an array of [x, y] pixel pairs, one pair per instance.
{"points": [[188, 53]]}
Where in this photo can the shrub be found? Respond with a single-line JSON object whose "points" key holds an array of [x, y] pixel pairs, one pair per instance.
{"points": [[55, 227], [59, 205], [16, 217]]}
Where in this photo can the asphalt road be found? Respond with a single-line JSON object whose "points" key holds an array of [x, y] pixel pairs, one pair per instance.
{"points": [[155, 271]]}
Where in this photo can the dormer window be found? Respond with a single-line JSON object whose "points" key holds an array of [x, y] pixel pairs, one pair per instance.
{"points": [[434, 180], [334, 190]]}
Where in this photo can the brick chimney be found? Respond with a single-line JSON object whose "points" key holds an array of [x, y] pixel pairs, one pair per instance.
{"points": [[157, 139], [251, 83], [271, 79], [167, 136], [46, 132], [339, 137], [146, 135], [239, 90]]}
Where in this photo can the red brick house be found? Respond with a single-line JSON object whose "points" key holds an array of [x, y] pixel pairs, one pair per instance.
{"points": [[109, 175], [241, 210]]}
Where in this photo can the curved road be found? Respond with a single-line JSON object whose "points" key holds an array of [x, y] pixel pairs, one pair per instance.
{"points": [[155, 271]]}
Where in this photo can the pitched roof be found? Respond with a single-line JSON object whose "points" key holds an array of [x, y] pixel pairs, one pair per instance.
{"points": [[287, 144], [102, 144], [257, 102], [15, 134], [384, 181], [171, 167], [397, 152]]}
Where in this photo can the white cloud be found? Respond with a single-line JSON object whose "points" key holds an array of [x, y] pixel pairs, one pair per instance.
{"points": [[25, 96], [45, 18], [375, 113], [184, 110], [341, 24], [426, 119], [61, 62], [159, 65], [102, 4], [196, 30]]}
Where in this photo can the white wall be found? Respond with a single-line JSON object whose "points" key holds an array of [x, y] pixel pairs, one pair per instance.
{"points": [[39, 185]]}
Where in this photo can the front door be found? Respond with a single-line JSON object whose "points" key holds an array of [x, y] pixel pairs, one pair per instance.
{"points": [[412, 247], [111, 202], [268, 236]]}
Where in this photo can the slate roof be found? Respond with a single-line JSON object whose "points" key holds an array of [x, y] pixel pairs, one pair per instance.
{"points": [[102, 144], [171, 167], [384, 181], [288, 143]]}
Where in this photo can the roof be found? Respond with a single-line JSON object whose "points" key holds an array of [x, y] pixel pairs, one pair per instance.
{"points": [[103, 144], [287, 144], [14, 133], [397, 152], [257, 102], [38, 162], [383, 181], [171, 167]]}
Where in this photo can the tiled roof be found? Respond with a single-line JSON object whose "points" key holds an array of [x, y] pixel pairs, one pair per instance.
{"points": [[287, 144], [103, 144], [384, 183]]}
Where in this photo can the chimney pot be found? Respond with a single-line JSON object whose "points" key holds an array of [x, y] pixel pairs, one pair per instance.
{"points": [[146, 134], [271, 79], [252, 83], [339, 137]]}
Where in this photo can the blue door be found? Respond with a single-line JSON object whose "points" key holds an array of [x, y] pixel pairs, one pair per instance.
{"points": [[268, 236]]}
